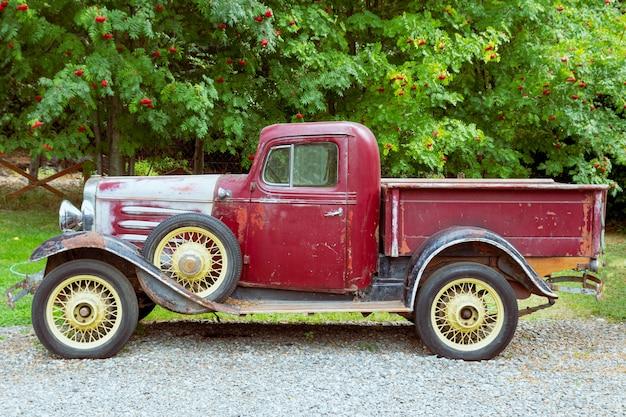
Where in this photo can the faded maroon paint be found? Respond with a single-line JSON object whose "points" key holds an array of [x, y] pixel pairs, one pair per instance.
{"points": [[291, 238], [233, 209], [130, 207], [539, 217]]}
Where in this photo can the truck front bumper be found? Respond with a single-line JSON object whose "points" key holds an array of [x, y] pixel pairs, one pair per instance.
{"points": [[26, 286]]}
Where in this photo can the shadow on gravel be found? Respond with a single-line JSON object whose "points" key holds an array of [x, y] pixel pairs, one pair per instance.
{"points": [[351, 337]]}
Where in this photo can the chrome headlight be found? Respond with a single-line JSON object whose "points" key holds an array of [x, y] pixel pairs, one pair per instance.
{"points": [[70, 218], [89, 214]]}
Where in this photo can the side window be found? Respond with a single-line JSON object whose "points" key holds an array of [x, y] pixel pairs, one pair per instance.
{"points": [[277, 166], [302, 165]]}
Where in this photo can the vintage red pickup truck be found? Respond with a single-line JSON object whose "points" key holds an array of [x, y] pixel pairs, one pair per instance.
{"points": [[313, 228]]}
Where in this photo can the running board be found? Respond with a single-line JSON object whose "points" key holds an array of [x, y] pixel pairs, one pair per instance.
{"points": [[310, 307]]}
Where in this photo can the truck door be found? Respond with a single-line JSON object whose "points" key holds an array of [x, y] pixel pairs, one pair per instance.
{"points": [[297, 229]]}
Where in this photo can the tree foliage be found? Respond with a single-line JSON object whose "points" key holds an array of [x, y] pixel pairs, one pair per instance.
{"points": [[479, 88]]}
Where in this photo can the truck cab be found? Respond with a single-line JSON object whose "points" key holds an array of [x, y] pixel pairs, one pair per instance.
{"points": [[306, 216]]}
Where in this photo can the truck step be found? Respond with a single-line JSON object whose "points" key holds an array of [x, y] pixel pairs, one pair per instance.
{"points": [[309, 307]]}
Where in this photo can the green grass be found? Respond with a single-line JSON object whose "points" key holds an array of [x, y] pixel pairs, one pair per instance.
{"points": [[20, 233], [27, 221]]}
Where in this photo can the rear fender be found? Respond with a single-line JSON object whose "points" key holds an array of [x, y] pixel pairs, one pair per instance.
{"points": [[159, 287], [454, 236]]}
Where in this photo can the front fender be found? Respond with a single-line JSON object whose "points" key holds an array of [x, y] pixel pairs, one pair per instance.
{"points": [[88, 240], [159, 287], [448, 238]]}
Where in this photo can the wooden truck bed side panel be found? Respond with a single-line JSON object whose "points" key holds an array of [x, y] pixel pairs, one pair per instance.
{"points": [[540, 218]]}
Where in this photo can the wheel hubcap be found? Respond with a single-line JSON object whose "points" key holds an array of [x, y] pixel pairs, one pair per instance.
{"points": [[466, 313], [85, 311], [190, 264], [191, 261]]}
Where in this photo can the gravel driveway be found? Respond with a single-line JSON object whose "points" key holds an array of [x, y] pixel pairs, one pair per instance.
{"points": [[203, 368]]}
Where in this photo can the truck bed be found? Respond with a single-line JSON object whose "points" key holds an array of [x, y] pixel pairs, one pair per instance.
{"points": [[541, 218]]}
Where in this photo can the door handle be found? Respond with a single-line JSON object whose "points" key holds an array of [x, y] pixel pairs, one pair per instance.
{"points": [[333, 213]]}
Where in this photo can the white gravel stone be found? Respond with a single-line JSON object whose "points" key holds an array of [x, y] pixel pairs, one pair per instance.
{"points": [[202, 368]]}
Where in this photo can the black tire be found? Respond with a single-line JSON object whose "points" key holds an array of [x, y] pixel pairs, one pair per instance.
{"points": [[145, 311], [198, 251], [84, 309], [466, 311]]}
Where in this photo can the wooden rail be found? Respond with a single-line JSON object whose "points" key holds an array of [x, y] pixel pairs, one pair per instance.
{"points": [[34, 182]]}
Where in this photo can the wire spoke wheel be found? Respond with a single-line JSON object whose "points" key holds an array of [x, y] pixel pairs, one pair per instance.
{"points": [[466, 311], [197, 251], [84, 309], [194, 257], [467, 314]]}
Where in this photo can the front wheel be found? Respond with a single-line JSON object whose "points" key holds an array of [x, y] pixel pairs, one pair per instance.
{"points": [[84, 309], [466, 311]]}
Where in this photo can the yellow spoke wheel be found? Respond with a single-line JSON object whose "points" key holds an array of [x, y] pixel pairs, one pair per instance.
{"points": [[466, 311], [84, 309], [467, 314], [194, 257], [197, 251]]}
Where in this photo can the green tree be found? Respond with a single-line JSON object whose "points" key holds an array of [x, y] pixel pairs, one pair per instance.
{"points": [[482, 89]]}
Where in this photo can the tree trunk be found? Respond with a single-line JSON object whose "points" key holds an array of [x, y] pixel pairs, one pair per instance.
{"points": [[131, 165], [198, 157], [35, 164], [98, 142], [116, 159]]}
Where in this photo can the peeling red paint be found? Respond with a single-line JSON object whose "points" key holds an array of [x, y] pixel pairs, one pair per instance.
{"points": [[562, 213], [586, 238]]}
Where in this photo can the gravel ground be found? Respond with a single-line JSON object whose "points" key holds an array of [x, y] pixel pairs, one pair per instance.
{"points": [[203, 368]]}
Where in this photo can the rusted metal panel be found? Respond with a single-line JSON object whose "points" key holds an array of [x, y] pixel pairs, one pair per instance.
{"points": [[589, 285], [62, 243], [547, 265], [313, 238], [540, 218], [295, 240], [159, 287], [26, 286], [169, 294], [456, 235], [274, 307], [130, 207]]}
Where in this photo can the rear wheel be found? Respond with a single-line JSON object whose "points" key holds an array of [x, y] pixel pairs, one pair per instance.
{"points": [[466, 311], [199, 252], [84, 309]]}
